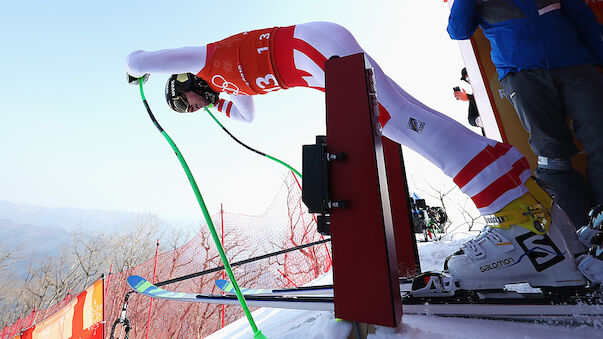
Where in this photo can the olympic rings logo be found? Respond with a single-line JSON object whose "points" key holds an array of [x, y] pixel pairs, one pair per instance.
{"points": [[226, 86]]}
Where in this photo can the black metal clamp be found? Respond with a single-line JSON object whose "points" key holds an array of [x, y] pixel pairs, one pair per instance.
{"points": [[315, 182]]}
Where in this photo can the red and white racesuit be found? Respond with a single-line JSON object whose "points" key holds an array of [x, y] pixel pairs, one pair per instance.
{"points": [[263, 61]]}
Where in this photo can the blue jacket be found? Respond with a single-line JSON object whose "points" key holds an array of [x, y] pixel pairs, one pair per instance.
{"points": [[531, 34]]}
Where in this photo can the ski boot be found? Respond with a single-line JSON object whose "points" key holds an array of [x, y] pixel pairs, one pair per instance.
{"points": [[591, 235], [522, 243]]}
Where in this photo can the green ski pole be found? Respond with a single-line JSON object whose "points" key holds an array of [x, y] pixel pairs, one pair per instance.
{"points": [[256, 332]]}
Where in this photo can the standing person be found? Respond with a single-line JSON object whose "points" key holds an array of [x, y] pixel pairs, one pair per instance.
{"points": [[495, 175], [462, 95], [545, 53]]}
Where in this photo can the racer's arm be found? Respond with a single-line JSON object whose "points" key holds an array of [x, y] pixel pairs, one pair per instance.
{"points": [[166, 61], [240, 107], [462, 22], [587, 26]]}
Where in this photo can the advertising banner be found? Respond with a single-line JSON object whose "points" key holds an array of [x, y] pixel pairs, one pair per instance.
{"points": [[81, 318]]}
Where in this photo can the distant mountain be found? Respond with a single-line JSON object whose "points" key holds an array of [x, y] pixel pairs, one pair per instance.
{"points": [[37, 232], [30, 238], [30, 242], [37, 220], [68, 219]]}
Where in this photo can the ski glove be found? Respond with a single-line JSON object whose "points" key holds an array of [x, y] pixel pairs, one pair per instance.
{"points": [[134, 80]]}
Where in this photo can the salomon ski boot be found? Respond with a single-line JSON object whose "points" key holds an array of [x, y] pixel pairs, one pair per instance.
{"points": [[525, 242]]}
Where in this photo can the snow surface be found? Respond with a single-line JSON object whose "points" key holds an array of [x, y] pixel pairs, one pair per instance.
{"points": [[295, 324]]}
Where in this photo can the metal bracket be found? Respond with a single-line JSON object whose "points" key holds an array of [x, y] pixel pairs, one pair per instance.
{"points": [[315, 182]]}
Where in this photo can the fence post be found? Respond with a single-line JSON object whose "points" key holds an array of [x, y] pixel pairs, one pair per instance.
{"points": [[151, 299], [33, 317], [108, 278], [18, 327]]}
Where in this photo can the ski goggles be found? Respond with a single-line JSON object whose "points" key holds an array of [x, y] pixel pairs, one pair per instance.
{"points": [[180, 104]]}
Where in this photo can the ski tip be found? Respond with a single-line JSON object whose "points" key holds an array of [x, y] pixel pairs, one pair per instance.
{"points": [[228, 287], [135, 281], [225, 285]]}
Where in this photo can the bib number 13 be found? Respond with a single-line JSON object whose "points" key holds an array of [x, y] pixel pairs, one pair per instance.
{"points": [[267, 83]]}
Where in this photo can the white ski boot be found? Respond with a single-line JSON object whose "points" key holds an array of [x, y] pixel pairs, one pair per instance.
{"points": [[523, 247]]}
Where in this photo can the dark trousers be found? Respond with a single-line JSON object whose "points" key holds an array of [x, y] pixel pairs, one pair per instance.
{"points": [[543, 100]]}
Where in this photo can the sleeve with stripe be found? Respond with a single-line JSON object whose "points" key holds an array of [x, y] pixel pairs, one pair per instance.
{"points": [[240, 107]]}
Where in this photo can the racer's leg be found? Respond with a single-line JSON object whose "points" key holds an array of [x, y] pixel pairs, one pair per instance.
{"points": [[491, 173]]}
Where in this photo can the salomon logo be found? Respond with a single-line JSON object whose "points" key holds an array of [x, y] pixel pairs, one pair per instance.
{"points": [[499, 264], [540, 249]]}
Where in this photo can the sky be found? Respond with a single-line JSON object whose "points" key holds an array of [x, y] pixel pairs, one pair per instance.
{"points": [[73, 133]]}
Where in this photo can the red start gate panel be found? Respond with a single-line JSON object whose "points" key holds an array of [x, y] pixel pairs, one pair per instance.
{"points": [[365, 266]]}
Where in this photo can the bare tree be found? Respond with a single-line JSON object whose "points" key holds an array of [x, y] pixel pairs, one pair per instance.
{"points": [[471, 218], [6, 257], [8, 292], [50, 279], [136, 245], [91, 257], [176, 237]]}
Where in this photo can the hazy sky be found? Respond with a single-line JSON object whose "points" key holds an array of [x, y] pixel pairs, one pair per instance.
{"points": [[74, 133]]}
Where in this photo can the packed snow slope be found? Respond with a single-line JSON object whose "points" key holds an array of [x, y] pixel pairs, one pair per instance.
{"points": [[294, 324]]}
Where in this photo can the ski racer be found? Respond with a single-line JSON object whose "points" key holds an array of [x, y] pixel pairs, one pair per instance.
{"points": [[495, 175]]}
